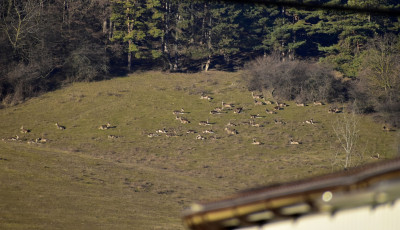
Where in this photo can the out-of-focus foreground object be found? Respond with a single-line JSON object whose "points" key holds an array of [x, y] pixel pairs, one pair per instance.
{"points": [[366, 197]]}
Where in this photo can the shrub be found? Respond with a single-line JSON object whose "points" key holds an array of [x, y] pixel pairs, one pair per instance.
{"points": [[303, 81]]}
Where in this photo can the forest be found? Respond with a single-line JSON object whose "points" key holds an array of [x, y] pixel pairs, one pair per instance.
{"points": [[46, 44]]}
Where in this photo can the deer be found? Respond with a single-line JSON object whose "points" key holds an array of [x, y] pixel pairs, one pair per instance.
{"points": [[191, 131], [254, 124], [161, 131], [40, 140], [23, 130], [256, 96], [318, 103], [184, 120], [231, 131], [230, 124], [15, 138], [112, 137], [199, 137], [171, 135], [218, 109], [376, 156], [255, 116], [270, 112], [177, 112], [214, 112], [103, 127], [60, 126], [294, 142], [268, 102], [259, 102], [300, 104], [279, 122], [256, 142], [205, 97], [387, 128], [226, 105], [208, 131], [334, 110], [281, 104], [204, 122], [311, 121], [238, 110]]}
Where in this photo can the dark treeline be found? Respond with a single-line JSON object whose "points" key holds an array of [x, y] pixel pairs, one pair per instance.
{"points": [[48, 43]]}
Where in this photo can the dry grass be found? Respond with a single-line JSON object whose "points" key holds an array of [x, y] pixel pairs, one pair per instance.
{"points": [[81, 178]]}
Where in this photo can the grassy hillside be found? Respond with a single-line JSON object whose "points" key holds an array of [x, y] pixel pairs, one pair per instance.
{"points": [[85, 178]]}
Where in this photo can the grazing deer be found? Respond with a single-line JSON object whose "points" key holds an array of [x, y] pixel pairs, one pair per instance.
{"points": [[231, 131], [256, 96], [256, 142], [238, 110], [300, 104], [270, 112], [152, 135], [268, 102], [191, 131], [225, 105], [199, 137], [204, 122], [23, 130], [318, 103], [294, 142], [60, 126]]}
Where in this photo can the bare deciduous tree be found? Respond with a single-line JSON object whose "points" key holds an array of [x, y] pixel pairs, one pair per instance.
{"points": [[347, 132], [381, 67]]}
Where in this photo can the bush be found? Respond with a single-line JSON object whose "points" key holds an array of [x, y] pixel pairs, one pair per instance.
{"points": [[295, 80]]}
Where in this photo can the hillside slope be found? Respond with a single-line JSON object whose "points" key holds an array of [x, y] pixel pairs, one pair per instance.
{"points": [[84, 178]]}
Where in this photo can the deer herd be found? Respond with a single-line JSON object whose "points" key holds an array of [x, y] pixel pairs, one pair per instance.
{"points": [[225, 108], [42, 140]]}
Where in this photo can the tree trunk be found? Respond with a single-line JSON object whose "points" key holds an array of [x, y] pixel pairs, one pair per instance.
{"points": [[129, 27], [165, 44]]}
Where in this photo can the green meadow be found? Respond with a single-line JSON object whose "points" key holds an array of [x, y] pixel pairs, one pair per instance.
{"points": [[120, 178]]}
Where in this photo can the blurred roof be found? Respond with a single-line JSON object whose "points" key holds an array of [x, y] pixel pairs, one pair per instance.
{"points": [[369, 185]]}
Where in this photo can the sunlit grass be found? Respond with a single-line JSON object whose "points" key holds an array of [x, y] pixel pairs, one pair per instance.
{"points": [[81, 178]]}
